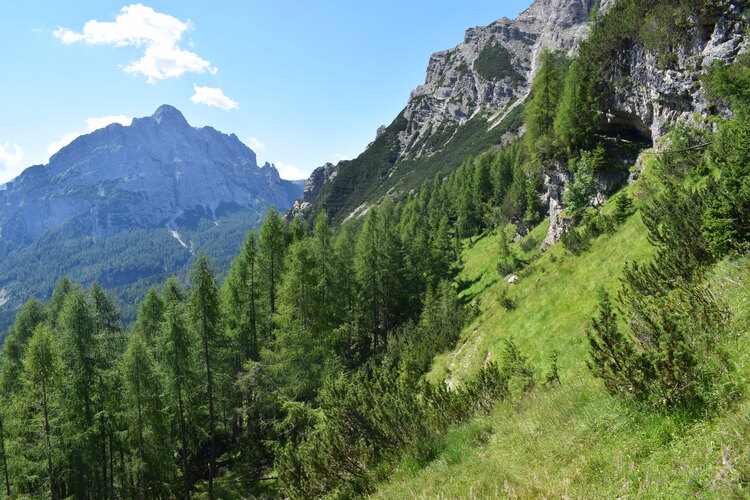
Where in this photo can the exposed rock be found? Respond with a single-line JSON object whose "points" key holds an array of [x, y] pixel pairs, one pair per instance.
{"points": [[649, 95], [454, 90], [318, 178], [144, 175], [554, 184]]}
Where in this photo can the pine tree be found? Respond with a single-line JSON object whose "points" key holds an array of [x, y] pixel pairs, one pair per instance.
{"points": [[109, 343], [623, 207], [240, 294], [204, 315], [54, 306], [147, 429], [271, 248], [150, 316], [575, 118], [43, 365], [28, 318], [177, 362], [78, 330], [542, 107], [367, 270]]}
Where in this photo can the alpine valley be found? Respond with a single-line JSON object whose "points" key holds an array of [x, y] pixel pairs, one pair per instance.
{"points": [[533, 283], [128, 206]]}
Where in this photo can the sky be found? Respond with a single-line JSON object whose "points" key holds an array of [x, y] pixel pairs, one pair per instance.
{"points": [[300, 82]]}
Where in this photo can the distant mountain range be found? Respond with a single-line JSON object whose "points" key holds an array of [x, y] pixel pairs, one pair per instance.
{"points": [[128, 205]]}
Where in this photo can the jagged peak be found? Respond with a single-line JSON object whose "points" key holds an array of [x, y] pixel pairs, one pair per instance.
{"points": [[166, 114]]}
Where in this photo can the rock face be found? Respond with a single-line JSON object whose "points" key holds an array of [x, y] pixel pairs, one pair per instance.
{"points": [[484, 77], [149, 174], [492, 69], [650, 95], [318, 178]]}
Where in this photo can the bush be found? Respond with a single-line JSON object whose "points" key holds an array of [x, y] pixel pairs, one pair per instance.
{"points": [[495, 63], [516, 368], [671, 356], [506, 301], [623, 208], [528, 244]]}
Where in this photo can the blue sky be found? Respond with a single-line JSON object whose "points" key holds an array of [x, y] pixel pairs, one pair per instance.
{"points": [[301, 82]]}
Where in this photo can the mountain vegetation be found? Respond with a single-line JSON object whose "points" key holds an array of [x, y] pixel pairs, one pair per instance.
{"points": [[429, 347]]}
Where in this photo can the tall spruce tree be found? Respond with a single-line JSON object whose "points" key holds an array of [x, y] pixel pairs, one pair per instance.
{"points": [[271, 248], [205, 317], [177, 357], [147, 431], [43, 365]]}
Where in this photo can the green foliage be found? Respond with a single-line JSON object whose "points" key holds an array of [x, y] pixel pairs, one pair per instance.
{"points": [[581, 190], [576, 114], [372, 420], [623, 208], [726, 222], [496, 63], [545, 96], [147, 431], [672, 357]]}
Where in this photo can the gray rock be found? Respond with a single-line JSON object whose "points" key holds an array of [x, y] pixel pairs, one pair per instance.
{"points": [[318, 178], [147, 174], [454, 92]]}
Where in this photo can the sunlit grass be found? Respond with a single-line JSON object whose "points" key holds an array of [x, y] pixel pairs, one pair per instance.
{"points": [[575, 440]]}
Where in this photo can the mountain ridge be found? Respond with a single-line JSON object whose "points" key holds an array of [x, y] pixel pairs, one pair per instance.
{"points": [[158, 169]]}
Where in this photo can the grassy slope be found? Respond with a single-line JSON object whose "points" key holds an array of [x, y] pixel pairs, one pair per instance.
{"points": [[574, 440]]}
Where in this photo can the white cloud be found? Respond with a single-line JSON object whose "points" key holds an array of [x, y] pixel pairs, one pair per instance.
{"points": [[290, 171], [340, 157], [10, 155], [66, 139], [97, 123], [141, 26], [213, 97], [255, 144], [91, 125]]}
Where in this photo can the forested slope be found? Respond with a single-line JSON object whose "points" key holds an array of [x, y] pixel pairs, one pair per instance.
{"points": [[432, 348]]}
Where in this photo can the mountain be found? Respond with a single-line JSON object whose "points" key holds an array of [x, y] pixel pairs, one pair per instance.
{"points": [[473, 98], [471, 101], [150, 174], [127, 205]]}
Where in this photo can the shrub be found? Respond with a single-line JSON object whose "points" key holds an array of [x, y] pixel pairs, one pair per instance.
{"points": [[623, 208], [671, 356], [505, 300], [528, 244]]}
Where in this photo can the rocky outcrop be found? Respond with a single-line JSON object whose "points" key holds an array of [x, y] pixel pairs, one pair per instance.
{"points": [[650, 93], [319, 177], [485, 77], [148, 174], [492, 69]]}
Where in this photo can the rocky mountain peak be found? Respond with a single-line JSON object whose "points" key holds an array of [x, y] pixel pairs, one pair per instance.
{"points": [[491, 71], [149, 174], [169, 115]]}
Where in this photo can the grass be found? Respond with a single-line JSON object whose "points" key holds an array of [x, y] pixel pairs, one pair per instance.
{"points": [[575, 440]]}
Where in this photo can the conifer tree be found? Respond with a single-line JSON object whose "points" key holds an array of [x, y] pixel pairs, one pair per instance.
{"points": [[150, 316], [31, 315], [271, 248], [240, 294], [542, 107], [177, 361], [78, 330], [42, 365], [147, 430], [205, 317], [575, 118]]}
